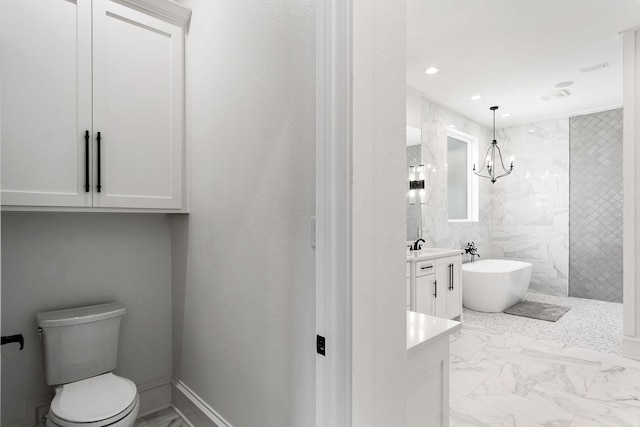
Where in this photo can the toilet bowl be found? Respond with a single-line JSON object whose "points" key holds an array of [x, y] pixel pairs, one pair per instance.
{"points": [[80, 347], [104, 400]]}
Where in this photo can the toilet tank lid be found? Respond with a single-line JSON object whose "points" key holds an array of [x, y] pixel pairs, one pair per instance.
{"points": [[78, 315]]}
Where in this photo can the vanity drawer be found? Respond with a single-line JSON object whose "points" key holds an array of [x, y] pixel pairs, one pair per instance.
{"points": [[424, 268]]}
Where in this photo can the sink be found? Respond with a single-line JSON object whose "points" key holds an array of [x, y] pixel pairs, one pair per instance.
{"points": [[432, 250], [428, 251]]}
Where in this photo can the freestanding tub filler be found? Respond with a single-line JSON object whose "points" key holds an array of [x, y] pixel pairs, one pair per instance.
{"points": [[493, 285]]}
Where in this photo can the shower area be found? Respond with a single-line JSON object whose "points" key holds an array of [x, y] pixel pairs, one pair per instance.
{"points": [[561, 210], [595, 206]]}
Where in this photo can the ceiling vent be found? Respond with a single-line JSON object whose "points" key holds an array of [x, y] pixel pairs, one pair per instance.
{"points": [[554, 95], [594, 67], [563, 84]]}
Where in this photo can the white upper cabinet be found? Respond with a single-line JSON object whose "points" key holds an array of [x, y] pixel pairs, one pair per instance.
{"points": [[92, 98], [45, 101], [137, 108]]}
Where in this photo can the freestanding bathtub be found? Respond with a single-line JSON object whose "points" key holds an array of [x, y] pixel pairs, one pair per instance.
{"points": [[493, 285]]}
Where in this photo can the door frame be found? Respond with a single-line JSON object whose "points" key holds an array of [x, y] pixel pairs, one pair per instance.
{"points": [[333, 211]]}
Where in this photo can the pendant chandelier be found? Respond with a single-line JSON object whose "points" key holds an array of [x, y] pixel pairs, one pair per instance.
{"points": [[489, 162]]}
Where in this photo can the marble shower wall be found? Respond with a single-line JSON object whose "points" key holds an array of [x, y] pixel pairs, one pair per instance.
{"points": [[530, 211], [434, 119]]}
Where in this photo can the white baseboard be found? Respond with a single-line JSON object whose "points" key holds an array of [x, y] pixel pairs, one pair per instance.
{"points": [[193, 409], [154, 396], [182, 416], [34, 410], [631, 347]]}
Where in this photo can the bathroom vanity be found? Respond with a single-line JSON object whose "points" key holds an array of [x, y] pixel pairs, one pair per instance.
{"points": [[428, 369], [434, 284]]}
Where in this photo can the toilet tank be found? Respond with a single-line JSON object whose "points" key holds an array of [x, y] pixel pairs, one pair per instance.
{"points": [[80, 342]]}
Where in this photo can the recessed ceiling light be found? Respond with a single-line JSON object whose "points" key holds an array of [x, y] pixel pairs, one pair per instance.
{"points": [[451, 126], [431, 70], [563, 84], [531, 130], [475, 97], [505, 115]]}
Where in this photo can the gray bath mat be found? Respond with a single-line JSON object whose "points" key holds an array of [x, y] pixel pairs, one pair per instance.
{"points": [[538, 310]]}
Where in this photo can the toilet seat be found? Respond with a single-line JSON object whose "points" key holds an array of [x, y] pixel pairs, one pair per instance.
{"points": [[98, 401]]}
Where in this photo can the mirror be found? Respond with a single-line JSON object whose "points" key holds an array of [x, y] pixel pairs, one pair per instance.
{"points": [[414, 198]]}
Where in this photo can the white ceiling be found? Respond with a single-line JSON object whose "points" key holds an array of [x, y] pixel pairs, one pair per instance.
{"points": [[512, 51]]}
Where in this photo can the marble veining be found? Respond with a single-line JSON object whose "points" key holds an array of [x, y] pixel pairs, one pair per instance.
{"points": [[530, 208], [164, 418], [506, 379]]}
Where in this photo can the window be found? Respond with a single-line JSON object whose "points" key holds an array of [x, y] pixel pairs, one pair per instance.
{"points": [[462, 184]]}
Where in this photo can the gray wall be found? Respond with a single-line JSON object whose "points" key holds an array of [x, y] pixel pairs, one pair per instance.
{"points": [[52, 261], [595, 230], [243, 266]]}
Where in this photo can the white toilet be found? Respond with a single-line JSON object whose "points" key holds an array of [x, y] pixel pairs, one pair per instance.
{"points": [[80, 351]]}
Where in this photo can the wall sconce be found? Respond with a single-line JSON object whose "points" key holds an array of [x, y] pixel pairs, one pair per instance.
{"points": [[416, 184]]}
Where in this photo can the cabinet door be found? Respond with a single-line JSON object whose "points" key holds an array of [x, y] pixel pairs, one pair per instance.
{"points": [[408, 285], [138, 109], [454, 294], [45, 99], [424, 294], [443, 278]]}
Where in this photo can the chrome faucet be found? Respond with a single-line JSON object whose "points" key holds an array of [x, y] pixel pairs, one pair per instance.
{"points": [[472, 250], [417, 245]]}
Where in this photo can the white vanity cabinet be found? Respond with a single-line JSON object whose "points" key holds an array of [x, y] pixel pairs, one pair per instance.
{"points": [[408, 286], [448, 276], [428, 369], [437, 284], [426, 287], [92, 100]]}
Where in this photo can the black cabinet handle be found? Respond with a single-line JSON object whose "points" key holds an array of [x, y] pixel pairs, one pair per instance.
{"points": [[86, 161], [13, 338], [435, 288], [451, 276], [99, 139]]}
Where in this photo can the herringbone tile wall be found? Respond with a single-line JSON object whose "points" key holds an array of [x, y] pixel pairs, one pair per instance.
{"points": [[595, 206]]}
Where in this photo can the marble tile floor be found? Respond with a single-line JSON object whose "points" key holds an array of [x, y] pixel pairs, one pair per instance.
{"points": [[164, 418], [590, 324], [504, 379]]}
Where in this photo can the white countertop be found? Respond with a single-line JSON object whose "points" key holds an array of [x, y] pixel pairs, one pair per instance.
{"points": [[433, 253], [422, 328]]}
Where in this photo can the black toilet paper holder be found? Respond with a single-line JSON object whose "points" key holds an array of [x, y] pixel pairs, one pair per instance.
{"points": [[8, 339]]}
